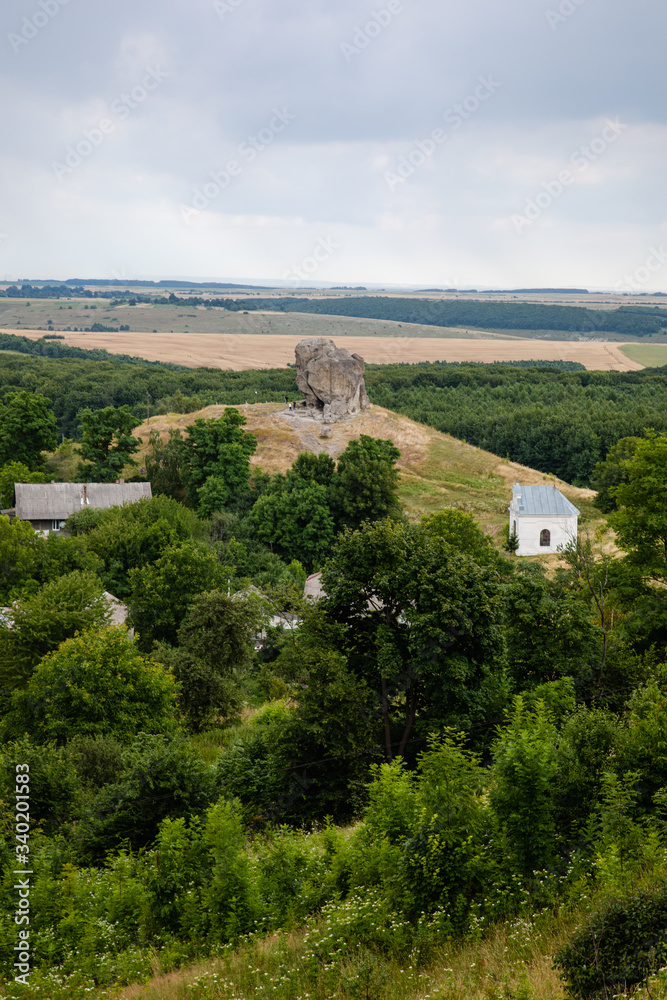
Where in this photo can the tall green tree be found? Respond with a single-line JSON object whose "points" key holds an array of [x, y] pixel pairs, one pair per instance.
{"points": [[422, 624], [294, 516], [40, 622], [107, 444], [27, 428], [364, 487], [162, 592], [524, 767], [219, 448], [641, 520], [12, 473], [164, 464], [18, 556], [214, 652], [612, 472]]}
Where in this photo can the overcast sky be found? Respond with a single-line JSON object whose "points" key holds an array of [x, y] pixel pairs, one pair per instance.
{"points": [[471, 143]]}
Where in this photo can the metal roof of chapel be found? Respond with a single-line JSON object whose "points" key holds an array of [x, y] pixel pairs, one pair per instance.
{"points": [[541, 501]]}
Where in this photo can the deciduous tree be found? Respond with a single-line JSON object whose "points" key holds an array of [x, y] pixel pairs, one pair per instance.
{"points": [[107, 444], [27, 428]]}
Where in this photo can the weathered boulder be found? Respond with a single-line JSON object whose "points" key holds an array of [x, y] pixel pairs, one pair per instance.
{"points": [[331, 379]]}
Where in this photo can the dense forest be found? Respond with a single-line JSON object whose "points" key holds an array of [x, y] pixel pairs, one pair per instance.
{"points": [[635, 321], [555, 417], [451, 744]]}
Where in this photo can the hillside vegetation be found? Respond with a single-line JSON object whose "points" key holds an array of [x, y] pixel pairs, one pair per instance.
{"points": [[444, 778], [436, 470]]}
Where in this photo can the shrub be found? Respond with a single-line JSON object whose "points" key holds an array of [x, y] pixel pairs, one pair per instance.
{"points": [[70, 604], [160, 777], [95, 683], [621, 944]]}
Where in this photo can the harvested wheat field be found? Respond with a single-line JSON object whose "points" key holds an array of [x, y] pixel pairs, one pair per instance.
{"points": [[239, 352], [437, 470]]}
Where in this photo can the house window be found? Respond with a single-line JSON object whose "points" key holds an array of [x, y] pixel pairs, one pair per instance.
{"points": [[545, 537], [514, 527], [55, 525]]}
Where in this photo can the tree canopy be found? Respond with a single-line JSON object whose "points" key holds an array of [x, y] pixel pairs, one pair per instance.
{"points": [[107, 444], [27, 428]]}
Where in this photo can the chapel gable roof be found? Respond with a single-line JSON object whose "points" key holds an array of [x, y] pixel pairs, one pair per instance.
{"points": [[542, 501]]}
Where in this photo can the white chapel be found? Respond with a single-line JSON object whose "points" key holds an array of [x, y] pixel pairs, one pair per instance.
{"points": [[542, 519]]}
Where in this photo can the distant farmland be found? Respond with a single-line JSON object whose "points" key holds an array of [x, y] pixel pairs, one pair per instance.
{"points": [[240, 352]]}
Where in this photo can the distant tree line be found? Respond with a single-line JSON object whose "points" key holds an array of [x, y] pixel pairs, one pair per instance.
{"points": [[635, 321]]}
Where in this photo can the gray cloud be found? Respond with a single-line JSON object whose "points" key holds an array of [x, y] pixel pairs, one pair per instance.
{"points": [[368, 84]]}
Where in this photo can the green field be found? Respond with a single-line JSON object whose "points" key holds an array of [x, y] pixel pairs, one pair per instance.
{"points": [[649, 355]]}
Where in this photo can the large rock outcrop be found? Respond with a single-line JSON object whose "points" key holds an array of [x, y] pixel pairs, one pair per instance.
{"points": [[331, 379]]}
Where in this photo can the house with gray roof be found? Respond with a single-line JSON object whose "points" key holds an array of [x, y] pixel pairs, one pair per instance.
{"points": [[542, 519], [48, 505]]}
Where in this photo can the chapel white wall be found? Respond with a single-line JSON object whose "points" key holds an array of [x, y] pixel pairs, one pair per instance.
{"points": [[528, 527]]}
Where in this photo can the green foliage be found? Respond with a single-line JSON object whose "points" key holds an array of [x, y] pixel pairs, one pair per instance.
{"points": [[161, 592], [159, 777], [164, 463], [15, 472], [27, 428], [445, 859], [212, 496], [314, 468], [524, 766], [618, 947], [18, 546], [133, 536], [587, 744], [107, 444], [548, 637], [54, 782], [41, 622], [219, 448], [365, 483], [611, 473], [645, 746], [462, 532], [295, 516], [641, 520], [94, 683], [422, 625], [214, 652]]}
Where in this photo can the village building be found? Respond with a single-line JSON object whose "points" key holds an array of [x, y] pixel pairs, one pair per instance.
{"points": [[542, 519], [48, 505]]}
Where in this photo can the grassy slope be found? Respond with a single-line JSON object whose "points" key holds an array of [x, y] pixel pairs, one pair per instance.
{"points": [[513, 962], [437, 470]]}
